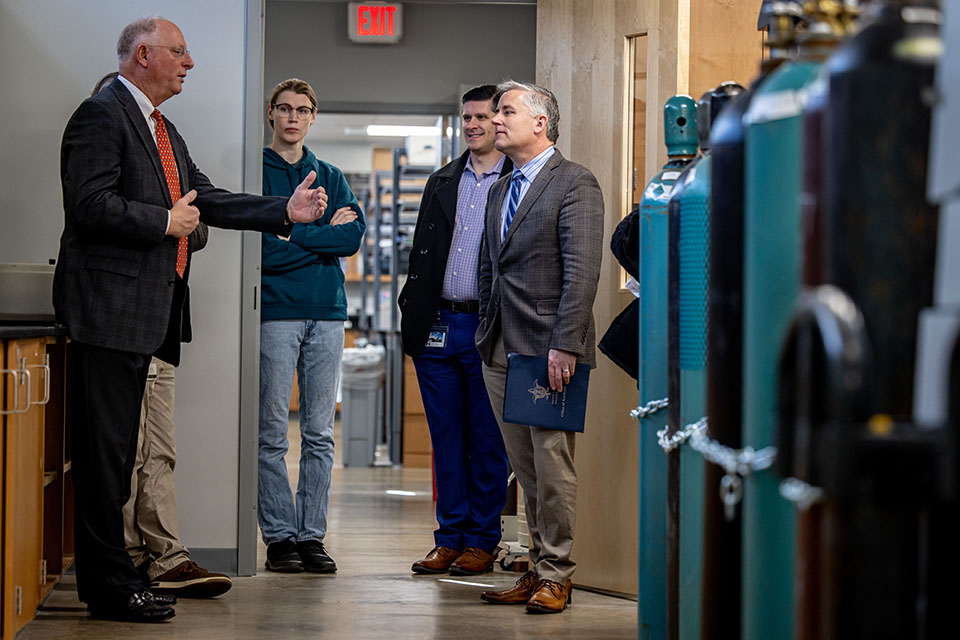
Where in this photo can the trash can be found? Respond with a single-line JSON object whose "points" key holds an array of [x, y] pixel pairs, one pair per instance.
{"points": [[362, 374]]}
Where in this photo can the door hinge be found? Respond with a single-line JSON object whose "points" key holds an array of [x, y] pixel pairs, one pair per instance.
{"points": [[43, 572], [19, 599], [634, 178]]}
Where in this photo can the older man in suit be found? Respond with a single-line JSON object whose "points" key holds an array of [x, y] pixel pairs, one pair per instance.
{"points": [[539, 268], [131, 197]]}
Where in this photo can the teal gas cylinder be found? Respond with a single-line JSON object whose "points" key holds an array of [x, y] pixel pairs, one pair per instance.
{"points": [[689, 256], [720, 612], [680, 135], [772, 275]]}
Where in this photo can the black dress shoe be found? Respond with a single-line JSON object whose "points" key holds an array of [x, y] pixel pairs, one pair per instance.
{"points": [[141, 607], [283, 557], [315, 558], [162, 599]]}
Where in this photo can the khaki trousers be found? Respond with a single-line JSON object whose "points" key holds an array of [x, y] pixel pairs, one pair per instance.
{"points": [[150, 515], [543, 462]]}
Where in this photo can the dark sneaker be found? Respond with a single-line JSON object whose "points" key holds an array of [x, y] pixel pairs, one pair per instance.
{"points": [[190, 580], [282, 557], [315, 558]]}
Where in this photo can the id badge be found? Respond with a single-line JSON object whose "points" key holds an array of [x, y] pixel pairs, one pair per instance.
{"points": [[437, 338]]}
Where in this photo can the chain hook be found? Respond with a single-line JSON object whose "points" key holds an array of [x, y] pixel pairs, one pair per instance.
{"points": [[731, 492]]}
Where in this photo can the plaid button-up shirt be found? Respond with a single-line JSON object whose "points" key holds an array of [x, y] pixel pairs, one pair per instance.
{"points": [[460, 277]]}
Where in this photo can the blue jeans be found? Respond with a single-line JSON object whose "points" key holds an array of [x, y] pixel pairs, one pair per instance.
{"points": [[469, 459], [314, 348]]}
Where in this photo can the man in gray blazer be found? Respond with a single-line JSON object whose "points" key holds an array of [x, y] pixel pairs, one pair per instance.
{"points": [[539, 268], [131, 197]]}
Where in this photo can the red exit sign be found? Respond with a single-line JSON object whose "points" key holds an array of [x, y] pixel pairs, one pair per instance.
{"points": [[376, 22]]}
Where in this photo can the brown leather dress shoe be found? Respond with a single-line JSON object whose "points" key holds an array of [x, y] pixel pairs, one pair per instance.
{"points": [[473, 561], [550, 597], [437, 561], [517, 594]]}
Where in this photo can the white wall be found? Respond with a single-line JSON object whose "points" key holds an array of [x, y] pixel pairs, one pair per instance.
{"points": [[51, 53]]}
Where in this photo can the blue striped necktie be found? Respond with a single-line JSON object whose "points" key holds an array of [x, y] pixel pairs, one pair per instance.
{"points": [[515, 182]]}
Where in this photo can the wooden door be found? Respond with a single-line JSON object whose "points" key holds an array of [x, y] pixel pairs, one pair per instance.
{"points": [[23, 482]]}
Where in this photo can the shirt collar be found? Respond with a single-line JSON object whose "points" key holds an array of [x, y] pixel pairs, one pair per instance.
{"points": [[532, 168], [141, 98], [497, 168]]}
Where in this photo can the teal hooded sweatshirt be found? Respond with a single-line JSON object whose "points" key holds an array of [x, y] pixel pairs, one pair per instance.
{"points": [[301, 278]]}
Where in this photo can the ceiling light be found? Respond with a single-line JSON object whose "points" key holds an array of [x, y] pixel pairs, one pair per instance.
{"points": [[400, 131]]}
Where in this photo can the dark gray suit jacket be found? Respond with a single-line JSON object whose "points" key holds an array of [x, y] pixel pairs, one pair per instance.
{"points": [[114, 281], [538, 287]]}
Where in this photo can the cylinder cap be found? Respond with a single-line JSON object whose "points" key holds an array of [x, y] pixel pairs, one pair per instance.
{"points": [[680, 125]]}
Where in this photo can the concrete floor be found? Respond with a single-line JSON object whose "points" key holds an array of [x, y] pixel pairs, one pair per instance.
{"points": [[374, 536]]}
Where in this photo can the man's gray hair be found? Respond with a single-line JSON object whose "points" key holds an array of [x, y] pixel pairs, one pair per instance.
{"points": [[132, 33], [539, 100]]}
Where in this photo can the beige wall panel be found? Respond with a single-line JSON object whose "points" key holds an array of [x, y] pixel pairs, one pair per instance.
{"points": [[580, 57], [580, 50], [661, 79], [725, 43]]}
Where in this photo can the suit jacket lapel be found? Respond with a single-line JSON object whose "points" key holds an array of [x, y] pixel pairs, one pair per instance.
{"points": [[539, 184], [143, 131], [447, 191], [498, 191]]}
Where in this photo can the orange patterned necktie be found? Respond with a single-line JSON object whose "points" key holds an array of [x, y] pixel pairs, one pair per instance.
{"points": [[173, 182]]}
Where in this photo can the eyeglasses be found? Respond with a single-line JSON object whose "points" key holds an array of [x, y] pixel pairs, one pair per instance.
{"points": [[177, 51], [285, 110]]}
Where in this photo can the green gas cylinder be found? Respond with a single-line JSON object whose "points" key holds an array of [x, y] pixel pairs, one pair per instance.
{"points": [[772, 243], [680, 135]]}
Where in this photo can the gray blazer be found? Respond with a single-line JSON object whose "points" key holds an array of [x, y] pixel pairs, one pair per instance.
{"points": [[538, 287], [114, 281]]}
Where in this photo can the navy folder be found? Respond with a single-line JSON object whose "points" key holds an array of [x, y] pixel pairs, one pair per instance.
{"points": [[529, 399]]}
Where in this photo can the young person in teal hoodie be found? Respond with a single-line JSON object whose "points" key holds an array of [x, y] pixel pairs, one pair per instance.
{"points": [[304, 306]]}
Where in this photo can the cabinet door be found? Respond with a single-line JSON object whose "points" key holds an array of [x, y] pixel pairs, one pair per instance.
{"points": [[23, 483]]}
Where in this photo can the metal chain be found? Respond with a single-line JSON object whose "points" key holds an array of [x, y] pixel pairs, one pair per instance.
{"points": [[738, 463], [742, 462], [800, 493], [648, 409], [669, 443]]}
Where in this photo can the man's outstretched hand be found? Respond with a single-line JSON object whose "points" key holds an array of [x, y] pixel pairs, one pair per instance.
{"points": [[306, 204]]}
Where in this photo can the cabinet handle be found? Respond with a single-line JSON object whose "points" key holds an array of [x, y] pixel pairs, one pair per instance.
{"points": [[17, 374], [45, 368]]}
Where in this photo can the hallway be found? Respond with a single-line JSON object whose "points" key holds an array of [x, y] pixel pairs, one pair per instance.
{"points": [[374, 536]]}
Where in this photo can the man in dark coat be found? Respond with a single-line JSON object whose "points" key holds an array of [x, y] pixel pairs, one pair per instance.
{"points": [[440, 316]]}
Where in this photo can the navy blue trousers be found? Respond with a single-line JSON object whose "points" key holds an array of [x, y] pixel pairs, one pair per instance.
{"points": [[469, 459]]}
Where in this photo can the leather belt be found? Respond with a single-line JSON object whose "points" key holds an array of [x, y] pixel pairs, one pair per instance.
{"points": [[460, 306]]}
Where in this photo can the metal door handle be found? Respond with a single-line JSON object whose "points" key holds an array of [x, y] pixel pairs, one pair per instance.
{"points": [[45, 367], [17, 374]]}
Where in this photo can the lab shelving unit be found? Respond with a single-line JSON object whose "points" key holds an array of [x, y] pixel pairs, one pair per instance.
{"points": [[392, 217]]}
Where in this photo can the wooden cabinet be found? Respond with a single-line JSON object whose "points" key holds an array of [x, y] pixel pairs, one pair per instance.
{"points": [[417, 451], [37, 490], [25, 389]]}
